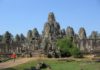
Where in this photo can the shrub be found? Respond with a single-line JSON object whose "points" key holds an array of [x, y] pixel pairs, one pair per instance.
{"points": [[75, 52], [68, 48], [64, 45]]}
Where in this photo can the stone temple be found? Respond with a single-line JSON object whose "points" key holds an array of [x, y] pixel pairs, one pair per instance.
{"points": [[51, 32]]}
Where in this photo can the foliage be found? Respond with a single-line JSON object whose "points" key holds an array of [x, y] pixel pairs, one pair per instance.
{"points": [[67, 47], [75, 52]]}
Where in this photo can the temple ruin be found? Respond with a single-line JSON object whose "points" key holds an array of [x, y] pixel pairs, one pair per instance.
{"points": [[50, 34]]}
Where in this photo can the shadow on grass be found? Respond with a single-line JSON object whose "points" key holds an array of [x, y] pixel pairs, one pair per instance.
{"points": [[8, 69]]}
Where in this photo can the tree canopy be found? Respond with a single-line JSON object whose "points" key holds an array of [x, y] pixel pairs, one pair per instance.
{"points": [[68, 47]]}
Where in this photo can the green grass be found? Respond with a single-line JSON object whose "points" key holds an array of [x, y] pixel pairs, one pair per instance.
{"points": [[61, 65], [4, 58]]}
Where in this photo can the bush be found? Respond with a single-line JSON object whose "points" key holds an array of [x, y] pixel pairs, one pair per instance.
{"points": [[64, 45], [75, 52], [68, 48]]}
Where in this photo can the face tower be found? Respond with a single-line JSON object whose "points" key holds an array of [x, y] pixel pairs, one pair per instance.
{"points": [[51, 31]]}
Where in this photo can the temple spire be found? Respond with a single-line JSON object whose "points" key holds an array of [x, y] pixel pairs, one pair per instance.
{"points": [[51, 17]]}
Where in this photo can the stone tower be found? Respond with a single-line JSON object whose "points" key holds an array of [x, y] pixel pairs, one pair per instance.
{"points": [[51, 27], [51, 31]]}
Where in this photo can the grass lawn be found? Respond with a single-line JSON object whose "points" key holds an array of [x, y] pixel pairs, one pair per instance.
{"points": [[61, 65]]}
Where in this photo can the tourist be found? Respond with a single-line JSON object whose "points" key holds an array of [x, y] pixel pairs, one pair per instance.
{"points": [[13, 56]]}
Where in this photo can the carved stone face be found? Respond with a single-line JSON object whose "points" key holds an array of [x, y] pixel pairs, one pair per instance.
{"points": [[51, 27], [94, 34], [51, 17], [82, 33], [70, 31], [47, 30]]}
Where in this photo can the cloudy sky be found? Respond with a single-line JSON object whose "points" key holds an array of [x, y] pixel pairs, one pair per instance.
{"points": [[19, 16]]}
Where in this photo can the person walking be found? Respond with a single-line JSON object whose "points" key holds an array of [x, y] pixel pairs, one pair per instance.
{"points": [[14, 56]]}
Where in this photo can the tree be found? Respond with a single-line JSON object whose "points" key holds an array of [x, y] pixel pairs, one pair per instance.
{"points": [[68, 47], [64, 44], [75, 52]]}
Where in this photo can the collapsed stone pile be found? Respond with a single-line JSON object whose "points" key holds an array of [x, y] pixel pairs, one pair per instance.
{"points": [[40, 66]]}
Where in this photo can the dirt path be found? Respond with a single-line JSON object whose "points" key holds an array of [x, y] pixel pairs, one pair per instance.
{"points": [[11, 63], [18, 61]]}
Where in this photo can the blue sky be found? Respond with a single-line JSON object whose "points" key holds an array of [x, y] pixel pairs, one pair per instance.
{"points": [[19, 16]]}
